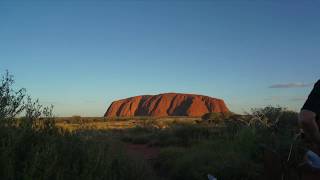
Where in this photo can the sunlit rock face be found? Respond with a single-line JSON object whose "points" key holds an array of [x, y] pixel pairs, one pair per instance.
{"points": [[168, 104]]}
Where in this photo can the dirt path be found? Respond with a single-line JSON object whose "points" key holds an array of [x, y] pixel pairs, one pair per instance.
{"points": [[143, 150]]}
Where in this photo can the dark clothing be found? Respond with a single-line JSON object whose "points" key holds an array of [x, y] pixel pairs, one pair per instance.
{"points": [[313, 104], [313, 101]]}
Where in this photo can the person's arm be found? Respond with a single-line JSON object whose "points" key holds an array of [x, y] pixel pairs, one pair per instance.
{"points": [[309, 111], [307, 120]]}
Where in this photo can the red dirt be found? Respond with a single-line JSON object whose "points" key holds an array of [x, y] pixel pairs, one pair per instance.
{"points": [[143, 150], [169, 104]]}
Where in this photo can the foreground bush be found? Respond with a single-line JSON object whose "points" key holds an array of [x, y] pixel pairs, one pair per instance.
{"points": [[236, 150], [32, 147], [38, 155], [225, 158]]}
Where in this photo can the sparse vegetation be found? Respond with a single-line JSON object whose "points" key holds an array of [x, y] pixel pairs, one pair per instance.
{"points": [[36, 145], [234, 151], [32, 147], [215, 118]]}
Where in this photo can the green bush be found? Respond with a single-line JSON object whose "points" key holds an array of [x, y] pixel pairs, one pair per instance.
{"points": [[32, 147], [234, 150], [215, 118], [11, 100], [39, 155], [275, 118], [226, 158]]}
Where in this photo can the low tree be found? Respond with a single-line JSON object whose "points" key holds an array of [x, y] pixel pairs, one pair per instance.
{"points": [[275, 118], [16, 102], [11, 100]]}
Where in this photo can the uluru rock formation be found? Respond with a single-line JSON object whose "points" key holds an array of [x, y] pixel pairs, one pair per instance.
{"points": [[168, 104]]}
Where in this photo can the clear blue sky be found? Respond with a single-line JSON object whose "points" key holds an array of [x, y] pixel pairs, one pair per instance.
{"points": [[82, 55]]}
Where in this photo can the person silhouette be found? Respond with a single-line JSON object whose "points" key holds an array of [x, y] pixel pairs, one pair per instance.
{"points": [[309, 118]]}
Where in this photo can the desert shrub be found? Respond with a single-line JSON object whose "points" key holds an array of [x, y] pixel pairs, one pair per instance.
{"points": [[215, 118], [32, 147], [232, 150], [141, 139], [277, 128], [76, 118], [139, 130], [177, 135], [165, 139], [188, 132], [148, 123], [277, 121], [235, 149], [288, 121], [180, 134], [212, 116], [226, 158], [271, 117], [11, 100], [137, 135], [39, 155]]}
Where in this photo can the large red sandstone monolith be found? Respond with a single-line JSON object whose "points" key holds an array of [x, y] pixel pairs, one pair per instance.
{"points": [[169, 104]]}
